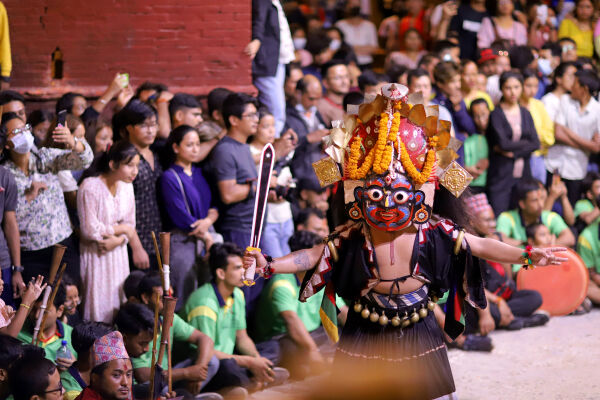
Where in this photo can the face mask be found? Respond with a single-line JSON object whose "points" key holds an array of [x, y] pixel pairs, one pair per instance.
{"points": [[553, 22], [335, 45], [23, 141], [544, 66], [299, 43]]}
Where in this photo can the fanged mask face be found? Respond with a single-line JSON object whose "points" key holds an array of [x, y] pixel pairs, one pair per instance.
{"points": [[390, 206]]}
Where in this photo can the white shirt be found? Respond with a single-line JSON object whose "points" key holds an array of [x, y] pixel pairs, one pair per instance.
{"points": [[492, 87], [572, 163], [364, 34], [552, 104], [286, 44]]}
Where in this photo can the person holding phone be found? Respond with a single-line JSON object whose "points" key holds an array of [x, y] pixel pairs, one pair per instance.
{"points": [[41, 211]]}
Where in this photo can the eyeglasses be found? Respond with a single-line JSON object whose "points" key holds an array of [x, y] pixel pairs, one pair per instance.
{"points": [[568, 47], [502, 53], [250, 115], [148, 125], [59, 389], [23, 129]]}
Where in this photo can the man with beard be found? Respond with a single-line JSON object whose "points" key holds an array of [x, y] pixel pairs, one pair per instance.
{"points": [[336, 80]]}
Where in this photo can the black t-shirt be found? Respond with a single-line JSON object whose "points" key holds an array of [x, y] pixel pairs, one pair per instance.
{"points": [[231, 159], [467, 23]]}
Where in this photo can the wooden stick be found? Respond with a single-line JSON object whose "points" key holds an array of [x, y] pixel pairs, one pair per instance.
{"points": [[168, 311], [55, 286], [57, 255], [165, 244], [160, 265], [169, 365], [153, 365]]}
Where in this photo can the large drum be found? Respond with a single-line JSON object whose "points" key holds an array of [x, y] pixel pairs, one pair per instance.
{"points": [[563, 287]]}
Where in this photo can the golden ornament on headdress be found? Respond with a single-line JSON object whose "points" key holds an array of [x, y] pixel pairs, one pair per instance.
{"points": [[327, 171], [455, 178]]}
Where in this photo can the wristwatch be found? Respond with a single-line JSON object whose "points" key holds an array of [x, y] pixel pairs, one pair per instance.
{"points": [[17, 268]]}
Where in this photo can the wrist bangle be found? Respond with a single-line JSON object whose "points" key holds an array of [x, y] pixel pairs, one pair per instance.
{"points": [[526, 258], [268, 270], [27, 306], [161, 100]]}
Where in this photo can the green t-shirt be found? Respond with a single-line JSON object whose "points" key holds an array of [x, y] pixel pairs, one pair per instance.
{"points": [[476, 148], [583, 205], [180, 331], [72, 387], [219, 319], [50, 346], [281, 294], [588, 246], [509, 223]]}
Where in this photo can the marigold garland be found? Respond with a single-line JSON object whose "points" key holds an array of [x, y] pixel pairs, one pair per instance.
{"points": [[417, 177], [380, 156]]}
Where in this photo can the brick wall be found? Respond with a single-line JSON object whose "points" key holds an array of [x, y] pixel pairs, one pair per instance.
{"points": [[194, 45]]}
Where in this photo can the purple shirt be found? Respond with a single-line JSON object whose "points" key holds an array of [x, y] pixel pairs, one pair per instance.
{"points": [[197, 194]]}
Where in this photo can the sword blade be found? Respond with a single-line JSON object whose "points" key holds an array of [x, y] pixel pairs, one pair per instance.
{"points": [[262, 192], [265, 171]]}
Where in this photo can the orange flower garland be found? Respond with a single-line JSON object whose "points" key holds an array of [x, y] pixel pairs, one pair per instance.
{"points": [[417, 177]]}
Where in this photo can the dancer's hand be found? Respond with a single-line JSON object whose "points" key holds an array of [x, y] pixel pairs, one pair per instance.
{"points": [[250, 256], [543, 257]]}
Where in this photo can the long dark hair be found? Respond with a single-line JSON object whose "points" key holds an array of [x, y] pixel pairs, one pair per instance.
{"points": [[446, 205], [119, 153], [134, 113], [175, 137]]}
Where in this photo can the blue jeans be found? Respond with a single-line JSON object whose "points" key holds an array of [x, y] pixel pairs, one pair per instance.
{"points": [[275, 238], [272, 96]]}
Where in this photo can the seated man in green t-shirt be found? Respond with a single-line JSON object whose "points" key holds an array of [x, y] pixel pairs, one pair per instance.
{"points": [[54, 332], [512, 223], [587, 210], [218, 309], [194, 373], [77, 378], [290, 328], [588, 247]]}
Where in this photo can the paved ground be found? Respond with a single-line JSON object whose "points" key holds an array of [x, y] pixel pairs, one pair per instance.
{"points": [[560, 361]]}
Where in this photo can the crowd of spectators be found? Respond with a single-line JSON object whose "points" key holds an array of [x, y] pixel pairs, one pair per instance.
{"points": [[517, 79]]}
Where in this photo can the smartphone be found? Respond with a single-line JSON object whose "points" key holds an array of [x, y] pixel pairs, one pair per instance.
{"points": [[126, 79], [61, 117]]}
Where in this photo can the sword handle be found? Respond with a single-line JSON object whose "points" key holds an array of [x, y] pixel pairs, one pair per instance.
{"points": [[249, 273]]}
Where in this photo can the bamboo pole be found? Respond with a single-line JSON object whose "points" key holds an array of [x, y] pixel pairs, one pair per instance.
{"points": [[165, 244], [50, 301], [155, 334], [160, 264], [57, 255]]}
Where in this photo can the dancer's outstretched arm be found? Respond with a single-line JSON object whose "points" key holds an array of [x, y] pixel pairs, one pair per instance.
{"points": [[301, 260], [494, 250]]}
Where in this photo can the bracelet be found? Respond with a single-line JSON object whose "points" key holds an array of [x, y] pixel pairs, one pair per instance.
{"points": [[268, 271], [103, 101], [498, 300], [527, 262], [161, 100], [25, 305]]}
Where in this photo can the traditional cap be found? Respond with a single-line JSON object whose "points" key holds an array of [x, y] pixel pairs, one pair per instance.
{"points": [[486, 55], [109, 347], [479, 203]]}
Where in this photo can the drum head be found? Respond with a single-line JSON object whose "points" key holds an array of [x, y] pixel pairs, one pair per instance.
{"points": [[563, 287]]}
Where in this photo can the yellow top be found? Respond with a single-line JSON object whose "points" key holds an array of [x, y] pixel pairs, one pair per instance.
{"points": [[584, 39], [5, 57], [543, 125]]}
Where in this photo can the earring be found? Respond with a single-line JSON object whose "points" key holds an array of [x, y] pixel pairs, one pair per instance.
{"points": [[355, 213], [422, 215]]}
